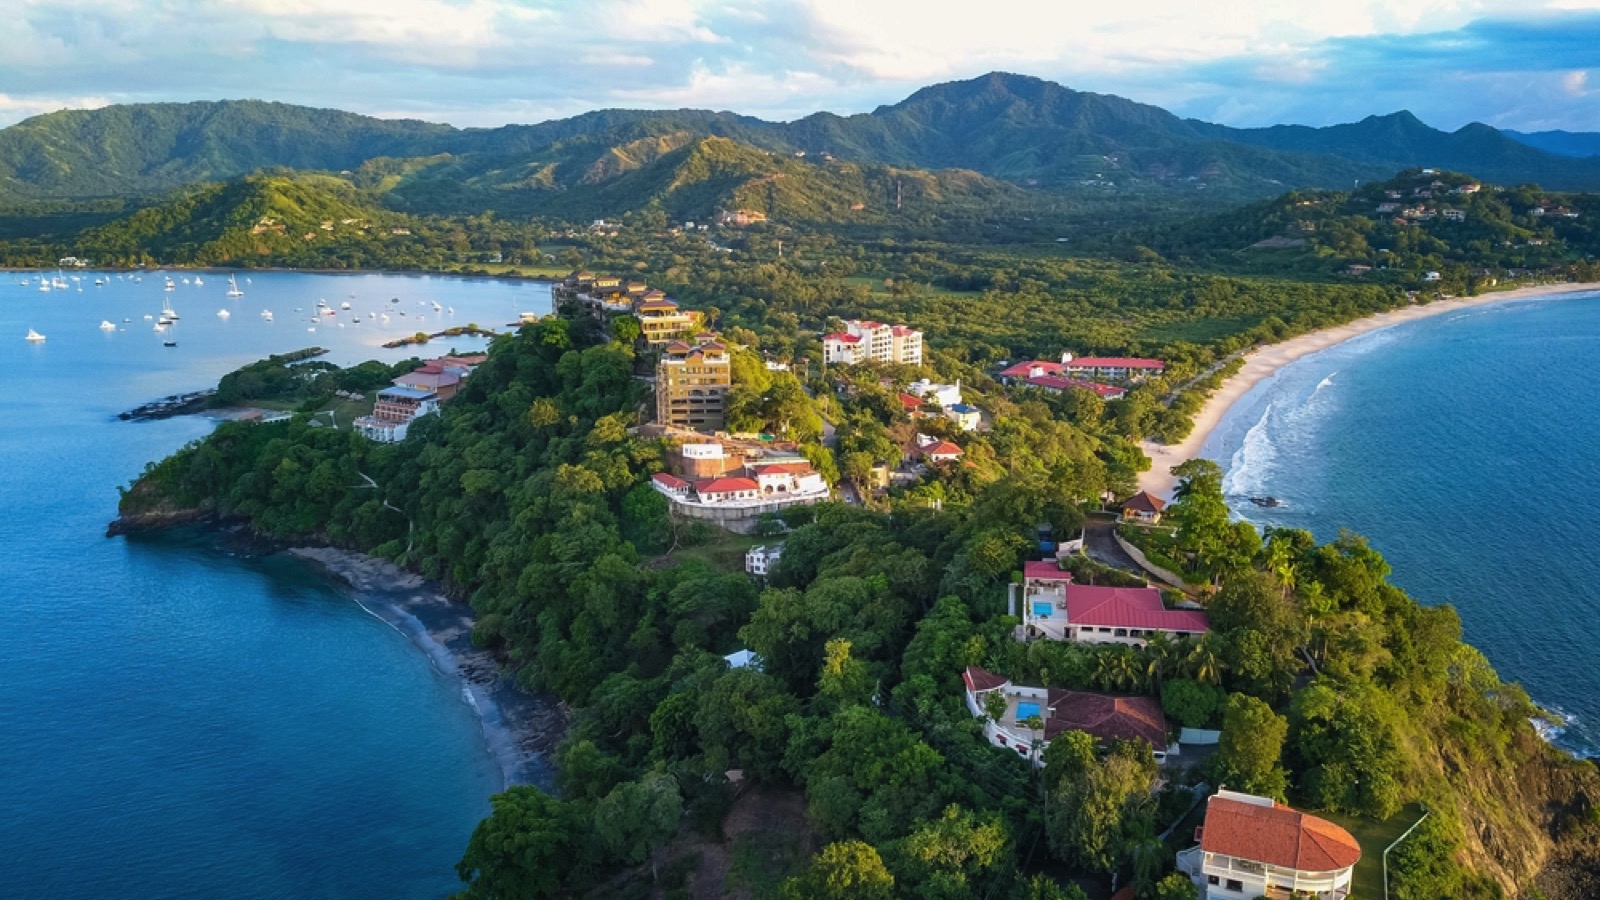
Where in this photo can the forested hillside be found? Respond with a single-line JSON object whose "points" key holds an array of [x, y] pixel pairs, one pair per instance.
{"points": [[529, 496]]}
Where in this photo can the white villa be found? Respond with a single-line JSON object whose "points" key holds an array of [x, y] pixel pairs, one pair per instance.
{"points": [[760, 560], [1102, 716], [1054, 608], [1253, 847]]}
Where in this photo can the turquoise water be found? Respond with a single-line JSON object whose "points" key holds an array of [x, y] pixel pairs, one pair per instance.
{"points": [[1465, 447], [177, 721]]}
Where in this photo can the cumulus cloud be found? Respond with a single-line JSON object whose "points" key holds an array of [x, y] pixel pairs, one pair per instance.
{"points": [[486, 62]]}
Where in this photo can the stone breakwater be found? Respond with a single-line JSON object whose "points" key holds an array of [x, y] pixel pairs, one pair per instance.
{"points": [[521, 729]]}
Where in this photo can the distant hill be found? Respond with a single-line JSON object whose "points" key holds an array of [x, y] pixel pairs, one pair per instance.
{"points": [[256, 218], [1397, 231], [155, 147], [1031, 132], [1561, 143]]}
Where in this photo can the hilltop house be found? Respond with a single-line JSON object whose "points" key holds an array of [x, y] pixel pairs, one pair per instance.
{"points": [[692, 382], [416, 393], [1056, 609], [781, 482], [1104, 717], [1253, 847], [1143, 507]]}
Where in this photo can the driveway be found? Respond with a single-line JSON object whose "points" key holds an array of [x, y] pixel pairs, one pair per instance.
{"points": [[1100, 544]]}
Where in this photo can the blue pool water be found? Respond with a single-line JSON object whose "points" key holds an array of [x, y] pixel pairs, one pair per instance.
{"points": [[1025, 709], [1465, 448], [177, 721]]}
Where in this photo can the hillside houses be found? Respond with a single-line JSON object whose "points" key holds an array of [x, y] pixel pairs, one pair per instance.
{"points": [[1252, 846], [769, 484]]}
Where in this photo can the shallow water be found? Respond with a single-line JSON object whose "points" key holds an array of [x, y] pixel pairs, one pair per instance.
{"points": [[177, 721], [1465, 447]]}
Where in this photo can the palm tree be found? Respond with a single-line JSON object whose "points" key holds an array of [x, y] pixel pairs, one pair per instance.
{"points": [[1160, 652], [1203, 664]]}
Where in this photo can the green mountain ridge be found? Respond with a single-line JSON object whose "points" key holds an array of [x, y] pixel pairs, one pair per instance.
{"points": [[1013, 127]]}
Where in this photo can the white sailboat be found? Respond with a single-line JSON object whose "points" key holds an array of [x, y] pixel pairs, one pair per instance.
{"points": [[197, 281], [105, 325], [34, 336], [266, 314], [233, 288], [170, 286], [223, 314], [167, 311]]}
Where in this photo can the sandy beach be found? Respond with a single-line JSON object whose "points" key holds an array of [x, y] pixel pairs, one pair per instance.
{"points": [[1262, 363]]}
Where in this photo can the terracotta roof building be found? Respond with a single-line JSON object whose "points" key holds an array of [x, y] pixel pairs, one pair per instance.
{"points": [[864, 341], [1104, 717], [1252, 846], [1143, 507]]}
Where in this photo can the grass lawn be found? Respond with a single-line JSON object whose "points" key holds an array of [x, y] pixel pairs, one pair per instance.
{"points": [[724, 550], [1374, 837]]}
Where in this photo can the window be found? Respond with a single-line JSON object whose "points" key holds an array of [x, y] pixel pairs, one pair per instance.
{"points": [[1235, 885], [1213, 880]]}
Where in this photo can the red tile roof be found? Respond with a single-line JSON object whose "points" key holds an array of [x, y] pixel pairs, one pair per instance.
{"points": [[1276, 835], [841, 336], [725, 485], [942, 448], [911, 404], [1117, 607], [1106, 718], [1021, 369], [1144, 502], [1056, 382], [981, 679], [1115, 362], [1044, 570], [668, 480]]}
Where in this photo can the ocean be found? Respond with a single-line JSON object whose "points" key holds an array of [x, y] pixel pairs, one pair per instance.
{"points": [[1464, 447], [177, 719]]}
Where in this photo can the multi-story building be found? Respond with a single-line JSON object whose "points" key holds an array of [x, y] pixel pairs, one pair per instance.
{"points": [[1255, 847], [662, 321], [759, 561], [867, 341], [692, 381], [394, 411]]}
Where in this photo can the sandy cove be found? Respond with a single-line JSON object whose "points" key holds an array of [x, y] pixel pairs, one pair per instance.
{"points": [[520, 729], [1264, 362]]}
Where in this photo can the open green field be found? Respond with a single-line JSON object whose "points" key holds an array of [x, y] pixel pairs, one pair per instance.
{"points": [[1374, 837]]}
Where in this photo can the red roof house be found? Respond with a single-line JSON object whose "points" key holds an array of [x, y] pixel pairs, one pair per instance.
{"points": [[1141, 609]]}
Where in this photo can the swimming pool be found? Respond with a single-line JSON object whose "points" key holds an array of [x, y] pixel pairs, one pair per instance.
{"points": [[1026, 709]]}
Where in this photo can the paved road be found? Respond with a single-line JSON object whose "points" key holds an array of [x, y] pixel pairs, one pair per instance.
{"points": [[1100, 545]]}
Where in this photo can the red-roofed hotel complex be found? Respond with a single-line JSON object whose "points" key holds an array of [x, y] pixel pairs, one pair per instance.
{"points": [[867, 341], [1252, 846], [1104, 717]]}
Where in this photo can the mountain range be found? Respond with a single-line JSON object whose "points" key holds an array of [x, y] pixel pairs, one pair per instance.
{"points": [[999, 137]]}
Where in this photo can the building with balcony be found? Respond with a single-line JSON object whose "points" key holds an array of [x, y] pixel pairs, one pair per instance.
{"points": [[692, 381], [1052, 376], [868, 341], [1035, 716], [393, 412], [1252, 846], [662, 321], [759, 560]]}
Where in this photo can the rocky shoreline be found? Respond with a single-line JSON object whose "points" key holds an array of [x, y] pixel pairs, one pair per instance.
{"points": [[521, 729], [167, 407]]}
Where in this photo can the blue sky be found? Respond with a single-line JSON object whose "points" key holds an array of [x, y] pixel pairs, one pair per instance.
{"points": [[1524, 65]]}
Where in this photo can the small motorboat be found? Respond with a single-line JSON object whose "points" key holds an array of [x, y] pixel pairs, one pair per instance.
{"points": [[35, 336]]}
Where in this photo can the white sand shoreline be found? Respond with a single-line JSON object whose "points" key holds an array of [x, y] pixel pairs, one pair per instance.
{"points": [[1263, 362]]}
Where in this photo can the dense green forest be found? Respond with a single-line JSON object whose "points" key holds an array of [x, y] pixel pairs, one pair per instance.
{"points": [[528, 496]]}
